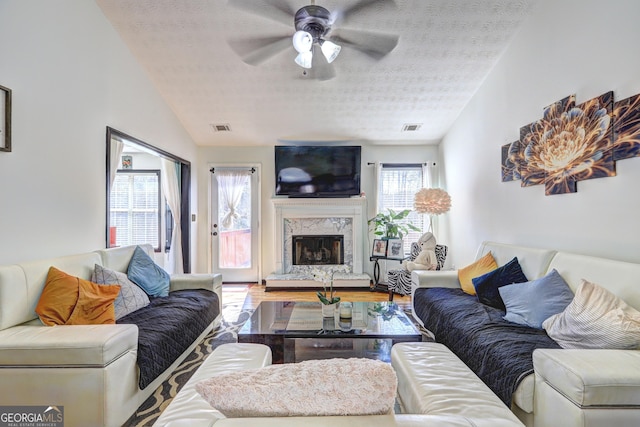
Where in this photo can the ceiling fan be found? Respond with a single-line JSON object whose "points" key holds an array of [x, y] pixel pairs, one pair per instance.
{"points": [[316, 40]]}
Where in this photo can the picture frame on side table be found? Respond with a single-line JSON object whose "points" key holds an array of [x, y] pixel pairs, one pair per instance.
{"points": [[379, 248], [5, 119], [395, 249]]}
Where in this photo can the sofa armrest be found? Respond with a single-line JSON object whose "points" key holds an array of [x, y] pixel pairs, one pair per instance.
{"points": [[211, 282], [591, 378], [434, 279], [66, 346]]}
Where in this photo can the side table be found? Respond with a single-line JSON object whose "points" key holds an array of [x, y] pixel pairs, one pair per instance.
{"points": [[377, 286]]}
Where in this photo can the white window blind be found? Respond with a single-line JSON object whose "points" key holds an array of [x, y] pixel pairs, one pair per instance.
{"points": [[135, 208], [398, 183]]}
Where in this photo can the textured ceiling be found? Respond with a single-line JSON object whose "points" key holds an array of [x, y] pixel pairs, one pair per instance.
{"points": [[445, 50]]}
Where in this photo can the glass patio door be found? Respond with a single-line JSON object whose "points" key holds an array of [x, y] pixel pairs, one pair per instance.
{"points": [[234, 223]]}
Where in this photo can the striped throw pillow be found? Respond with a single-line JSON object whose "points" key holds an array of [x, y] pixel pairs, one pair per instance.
{"points": [[595, 318]]}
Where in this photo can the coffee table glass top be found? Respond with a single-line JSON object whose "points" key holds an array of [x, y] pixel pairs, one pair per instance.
{"points": [[304, 319]]}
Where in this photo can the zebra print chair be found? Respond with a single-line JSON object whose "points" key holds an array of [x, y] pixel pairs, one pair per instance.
{"points": [[399, 281]]}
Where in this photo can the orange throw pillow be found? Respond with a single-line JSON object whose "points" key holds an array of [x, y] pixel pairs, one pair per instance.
{"points": [[482, 266], [60, 298], [95, 305]]}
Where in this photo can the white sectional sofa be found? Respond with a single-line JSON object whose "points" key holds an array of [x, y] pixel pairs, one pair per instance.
{"points": [[91, 370], [571, 388]]}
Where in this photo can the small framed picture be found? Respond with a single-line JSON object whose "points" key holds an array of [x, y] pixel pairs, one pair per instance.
{"points": [[5, 119], [379, 248], [127, 162], [395, 249]]}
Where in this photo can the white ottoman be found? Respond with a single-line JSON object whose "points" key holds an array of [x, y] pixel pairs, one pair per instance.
{"points": [[432, 380], [188, 408]]}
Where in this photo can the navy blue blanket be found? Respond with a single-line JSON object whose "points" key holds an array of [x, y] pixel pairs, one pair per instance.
{"points": [[498, 351], [167, 326]]}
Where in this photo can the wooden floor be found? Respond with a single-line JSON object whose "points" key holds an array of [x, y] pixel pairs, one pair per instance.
{"points": [[256, 293]]}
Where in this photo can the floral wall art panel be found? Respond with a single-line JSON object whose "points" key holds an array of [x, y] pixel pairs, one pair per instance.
{"points": [[593, 132], [528, 173], [627, 128], [510, 161]]}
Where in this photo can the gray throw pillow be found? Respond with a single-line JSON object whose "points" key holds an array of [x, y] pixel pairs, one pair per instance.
{"points": [[131, 296], [531, 303]]}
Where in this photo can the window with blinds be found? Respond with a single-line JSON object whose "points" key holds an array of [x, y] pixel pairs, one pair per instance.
{"points": [[397, 185], [135, 208]]}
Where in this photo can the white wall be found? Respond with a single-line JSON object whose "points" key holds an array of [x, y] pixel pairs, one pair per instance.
{"points": [[264, 155], [582, 47], [71, 76]]}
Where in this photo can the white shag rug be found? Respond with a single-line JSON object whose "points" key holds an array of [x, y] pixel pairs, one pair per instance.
{"points": [[335, 386]]}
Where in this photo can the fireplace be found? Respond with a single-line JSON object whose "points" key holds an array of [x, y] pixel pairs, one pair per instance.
{"points": [[340, 223], [318, 250]]}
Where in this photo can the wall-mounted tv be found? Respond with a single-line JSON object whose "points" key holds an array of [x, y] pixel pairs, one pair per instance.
{"points": [[317, 171]]}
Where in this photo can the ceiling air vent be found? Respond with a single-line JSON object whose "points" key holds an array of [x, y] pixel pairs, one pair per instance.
{"points": [[221, 127], [411, 127]]}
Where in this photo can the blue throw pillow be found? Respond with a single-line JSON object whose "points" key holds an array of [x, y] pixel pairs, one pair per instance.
{"points": [[533, 302], [145, 273], [487, 285]]}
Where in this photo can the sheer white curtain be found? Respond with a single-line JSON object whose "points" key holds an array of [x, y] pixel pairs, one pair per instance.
{"points": [[231, 183], [171, 191], [116, 148]]}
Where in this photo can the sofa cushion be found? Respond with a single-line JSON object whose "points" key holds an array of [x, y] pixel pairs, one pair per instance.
{"points": [[595, 318], [168, 326], [488, 284], [531, 303], [147, 274], [477, 269], [131, 296], [335, 386], [70, 300]]}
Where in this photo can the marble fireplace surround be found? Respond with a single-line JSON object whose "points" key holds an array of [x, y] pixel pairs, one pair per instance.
{"points": [[317, 216]]}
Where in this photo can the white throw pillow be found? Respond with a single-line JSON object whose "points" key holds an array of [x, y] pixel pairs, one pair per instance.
{"points": [[595, 318], [310, 388]]}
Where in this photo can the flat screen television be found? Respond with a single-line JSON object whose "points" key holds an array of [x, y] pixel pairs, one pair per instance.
{"points": [[317, 171]]}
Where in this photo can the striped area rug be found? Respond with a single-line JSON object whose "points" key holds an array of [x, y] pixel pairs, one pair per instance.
{"points": [[233, 317]]}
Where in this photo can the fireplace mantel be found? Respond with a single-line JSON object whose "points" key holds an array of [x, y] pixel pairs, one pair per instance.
{"points": [[301, 208]]}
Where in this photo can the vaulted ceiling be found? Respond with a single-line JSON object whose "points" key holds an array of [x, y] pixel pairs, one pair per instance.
{"points": [[445, 50]]}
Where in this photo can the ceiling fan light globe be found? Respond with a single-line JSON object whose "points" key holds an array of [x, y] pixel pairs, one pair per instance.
{"points": [[330, 50], [302, 41], [304, 59]]}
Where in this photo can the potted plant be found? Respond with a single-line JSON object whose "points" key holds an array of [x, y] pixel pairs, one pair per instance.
{"points": [[330, 302], [386, 224]]}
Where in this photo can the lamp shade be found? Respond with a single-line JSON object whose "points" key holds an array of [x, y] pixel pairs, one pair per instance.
{"points": [[304, 59], [330, 50], [432, 201], [302, 41]]}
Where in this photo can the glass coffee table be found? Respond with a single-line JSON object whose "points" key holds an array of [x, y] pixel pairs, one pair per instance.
{"points": [[296, 331]]}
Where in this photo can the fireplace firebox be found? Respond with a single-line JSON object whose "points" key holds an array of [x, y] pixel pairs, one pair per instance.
{"points": [[318, 250]]}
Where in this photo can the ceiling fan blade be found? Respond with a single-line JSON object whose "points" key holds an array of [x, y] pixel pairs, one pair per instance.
{"points": [[374, 44], [348, 13], [276, 10], [255, 51]]}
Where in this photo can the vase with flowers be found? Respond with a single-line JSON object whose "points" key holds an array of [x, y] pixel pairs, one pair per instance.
{"points": [[330, 302]]}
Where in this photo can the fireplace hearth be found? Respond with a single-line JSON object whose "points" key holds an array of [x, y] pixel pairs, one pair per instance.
{"points": [[318, 250]]}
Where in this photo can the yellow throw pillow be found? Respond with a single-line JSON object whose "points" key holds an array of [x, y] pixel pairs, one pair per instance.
{"points": [[482, 266], [95, 304], [60, 299]]}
